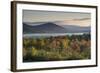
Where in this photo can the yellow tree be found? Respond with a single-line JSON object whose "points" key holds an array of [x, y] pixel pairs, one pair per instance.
{"points": [[65, 43], [41, 42]]}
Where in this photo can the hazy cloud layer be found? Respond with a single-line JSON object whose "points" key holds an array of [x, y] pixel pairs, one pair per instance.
{"points": [[66, 18]]}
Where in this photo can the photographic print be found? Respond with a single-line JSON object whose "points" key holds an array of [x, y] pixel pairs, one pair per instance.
{"points": [[51, 36], [47, 36]]}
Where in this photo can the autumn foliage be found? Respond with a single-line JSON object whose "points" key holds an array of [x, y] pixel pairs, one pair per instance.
{"points": [[68, 47]]}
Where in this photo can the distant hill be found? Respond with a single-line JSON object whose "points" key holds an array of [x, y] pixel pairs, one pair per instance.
{"points": [[43, 28], [77, 29], [50, 27]]}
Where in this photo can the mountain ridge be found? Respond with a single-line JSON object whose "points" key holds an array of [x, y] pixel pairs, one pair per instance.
{"points": [[50, 27]]}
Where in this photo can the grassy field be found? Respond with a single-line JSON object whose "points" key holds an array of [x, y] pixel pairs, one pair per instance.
{"points": [[74, 47]]}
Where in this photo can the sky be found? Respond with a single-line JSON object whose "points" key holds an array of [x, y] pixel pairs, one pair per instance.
{"points": [[63, 18]]}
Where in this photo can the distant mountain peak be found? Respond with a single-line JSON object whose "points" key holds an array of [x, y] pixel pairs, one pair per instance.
{"points": [[50, 24], [48, 27]]}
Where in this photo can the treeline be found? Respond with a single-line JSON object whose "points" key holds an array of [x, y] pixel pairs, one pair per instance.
{"points": [[57, 48]]}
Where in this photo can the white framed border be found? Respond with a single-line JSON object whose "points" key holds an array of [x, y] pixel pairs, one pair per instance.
{"points": [[53, 64]]}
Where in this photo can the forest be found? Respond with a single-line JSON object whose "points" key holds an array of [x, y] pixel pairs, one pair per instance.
{"points": [[57, 48]]}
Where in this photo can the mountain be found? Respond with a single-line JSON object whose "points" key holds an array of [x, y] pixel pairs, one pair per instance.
{"points": [[78, 29], [50, 27], [43, 28]]}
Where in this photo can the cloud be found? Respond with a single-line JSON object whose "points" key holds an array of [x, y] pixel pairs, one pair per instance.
{"points": [[82, 19], [78, 22]]}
